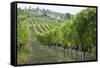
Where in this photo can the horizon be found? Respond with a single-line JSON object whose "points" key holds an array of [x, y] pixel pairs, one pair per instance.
{"points": [[61, 9]]}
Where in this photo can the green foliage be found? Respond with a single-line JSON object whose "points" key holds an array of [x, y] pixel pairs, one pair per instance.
{"points": [[22, 55], [77, 33], [22, 32], [22, 38], [85, 24]]}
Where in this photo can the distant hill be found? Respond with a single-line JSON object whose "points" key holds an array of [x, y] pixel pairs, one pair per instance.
{"points": [[61, 17]]}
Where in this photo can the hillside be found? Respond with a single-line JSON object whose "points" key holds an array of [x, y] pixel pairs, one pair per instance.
{"points": [[41, 39]]}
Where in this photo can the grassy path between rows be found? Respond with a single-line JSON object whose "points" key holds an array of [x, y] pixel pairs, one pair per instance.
{"points": [[43, 54]]}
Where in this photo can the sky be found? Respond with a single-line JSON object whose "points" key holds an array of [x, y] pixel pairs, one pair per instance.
{"points": [[61, 9]]}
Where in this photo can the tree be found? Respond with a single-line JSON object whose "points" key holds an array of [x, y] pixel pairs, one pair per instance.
{"points": [[85, 24], [44, 12], [68, 16]]}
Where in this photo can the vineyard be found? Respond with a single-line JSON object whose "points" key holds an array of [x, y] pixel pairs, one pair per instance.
{"points": [[41, 39]]}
